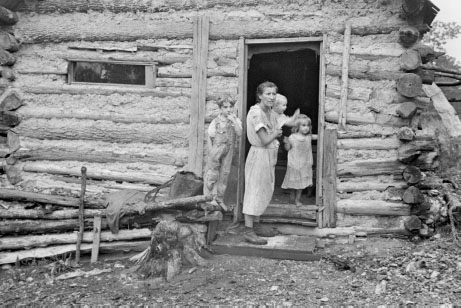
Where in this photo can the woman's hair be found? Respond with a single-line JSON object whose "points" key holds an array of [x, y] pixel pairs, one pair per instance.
{"points": [[301, 118], [260, 89]]}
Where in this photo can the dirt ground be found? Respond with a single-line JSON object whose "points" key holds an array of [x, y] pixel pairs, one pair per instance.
{"points": [[383, 271]]}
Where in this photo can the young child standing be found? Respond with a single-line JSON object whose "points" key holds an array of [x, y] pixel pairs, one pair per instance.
{"points": [[222, 133], [299, 147]]}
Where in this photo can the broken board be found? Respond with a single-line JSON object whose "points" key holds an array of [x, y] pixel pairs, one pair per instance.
{"points": [[288, 247]]}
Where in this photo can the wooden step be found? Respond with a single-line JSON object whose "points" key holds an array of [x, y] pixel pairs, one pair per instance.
{"points": [[288, 247]]}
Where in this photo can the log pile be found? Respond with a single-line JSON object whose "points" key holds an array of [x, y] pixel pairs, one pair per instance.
{"points": [[10, 98], [35, 225]]}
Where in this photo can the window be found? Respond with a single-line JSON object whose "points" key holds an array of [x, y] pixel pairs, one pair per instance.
{"points": [[111, 72]]}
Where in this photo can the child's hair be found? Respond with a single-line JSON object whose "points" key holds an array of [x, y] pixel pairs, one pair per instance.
{"points": [[221, 101], [300, 119], [260, 89]]}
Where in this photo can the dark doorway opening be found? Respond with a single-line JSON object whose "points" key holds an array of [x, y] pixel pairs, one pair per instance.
{"points": [[294, 68]]}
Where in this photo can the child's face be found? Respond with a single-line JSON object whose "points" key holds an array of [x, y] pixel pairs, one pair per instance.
{"points": [[304, 127], [227, 109], [280, 106]]}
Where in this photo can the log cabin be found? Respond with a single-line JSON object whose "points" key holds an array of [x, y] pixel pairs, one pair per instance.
{"points": [[127, 88]]}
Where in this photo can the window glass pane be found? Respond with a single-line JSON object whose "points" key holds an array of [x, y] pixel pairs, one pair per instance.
{"points": [[98, 72]]}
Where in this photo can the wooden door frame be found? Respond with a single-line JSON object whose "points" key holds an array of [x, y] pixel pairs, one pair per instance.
{"points": [[242, 109]]}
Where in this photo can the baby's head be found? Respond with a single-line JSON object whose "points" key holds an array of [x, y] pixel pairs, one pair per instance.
{"points": [[280, 104]]}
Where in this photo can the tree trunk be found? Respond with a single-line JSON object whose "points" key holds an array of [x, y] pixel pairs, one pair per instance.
{"points": [[410, 60], [369, 185], [370, 167], [371, 118], [413, 195], [172, 244], [406, 134], [8, 41], [102, 172], [368, 144], [19, 195], [409, 85], [37, 30], [413, 223], [406, 110], [7, 17], [99, 152], [412, 175], [53, 251], [18, 213], [372, 208], [103, 131], [31, 241]]}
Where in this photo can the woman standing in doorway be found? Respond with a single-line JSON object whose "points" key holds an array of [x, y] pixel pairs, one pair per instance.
{"points": [[262, 133]]}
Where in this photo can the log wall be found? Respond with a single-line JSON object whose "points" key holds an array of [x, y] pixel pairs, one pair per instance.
{"points": [[137, 137]]}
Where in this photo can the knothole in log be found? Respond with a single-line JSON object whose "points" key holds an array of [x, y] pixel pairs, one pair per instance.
{"points": [[172, 246]]}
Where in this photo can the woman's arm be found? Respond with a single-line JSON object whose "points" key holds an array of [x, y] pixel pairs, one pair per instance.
{"points": [[268, 138]]}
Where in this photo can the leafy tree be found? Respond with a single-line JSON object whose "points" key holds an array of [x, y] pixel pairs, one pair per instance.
{"points": [[438, 37]]}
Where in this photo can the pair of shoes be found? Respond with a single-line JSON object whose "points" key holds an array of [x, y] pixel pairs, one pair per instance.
{"points": [[251, 237], [265, 231]]}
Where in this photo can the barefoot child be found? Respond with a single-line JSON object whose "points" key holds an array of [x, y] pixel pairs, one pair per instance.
{"points": [[299, 167], [222, 134]]}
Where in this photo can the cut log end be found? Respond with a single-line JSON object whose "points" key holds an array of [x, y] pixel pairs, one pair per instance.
{"points": [[412, 175], [172, 245]]}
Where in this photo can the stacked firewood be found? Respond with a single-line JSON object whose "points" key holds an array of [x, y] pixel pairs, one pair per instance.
{"points": [[34, 225], [10, 99]]}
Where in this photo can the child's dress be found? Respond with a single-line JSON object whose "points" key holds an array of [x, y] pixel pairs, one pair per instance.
{"points": [[299, 167]]}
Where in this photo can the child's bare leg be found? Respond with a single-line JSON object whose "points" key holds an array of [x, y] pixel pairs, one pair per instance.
{"points": [[298, 197]]}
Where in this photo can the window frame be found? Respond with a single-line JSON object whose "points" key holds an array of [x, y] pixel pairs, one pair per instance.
{"points": [[149, 67]]}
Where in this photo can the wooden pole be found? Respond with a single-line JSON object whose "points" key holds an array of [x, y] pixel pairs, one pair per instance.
{"points": [[96, 238], [344, 78], [81, 221]]}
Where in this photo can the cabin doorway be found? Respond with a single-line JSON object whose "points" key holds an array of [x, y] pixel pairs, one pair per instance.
{"points": [[294, 66]]}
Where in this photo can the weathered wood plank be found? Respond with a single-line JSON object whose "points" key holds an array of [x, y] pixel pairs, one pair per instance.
{"points": [[329, 180], [369, 118], [344, 78], [369, 143], [199, 90], [366, 186]]}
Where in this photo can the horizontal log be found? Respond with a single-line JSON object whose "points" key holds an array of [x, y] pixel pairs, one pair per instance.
{"points": [[53, 251], [114, 172], [20, 195], [19, 213], [369, 118], [62, 129], [29, 226], [333, 70], [369, 222], [100, 152], [75, 89], [368, 144], [32, 241], [370, 167], [366, 186], [289, 212], [98, 27], [338, 231], [372, 208]]}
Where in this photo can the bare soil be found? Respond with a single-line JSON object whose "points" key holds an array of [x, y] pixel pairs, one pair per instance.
{"points": [[426, 273]]}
